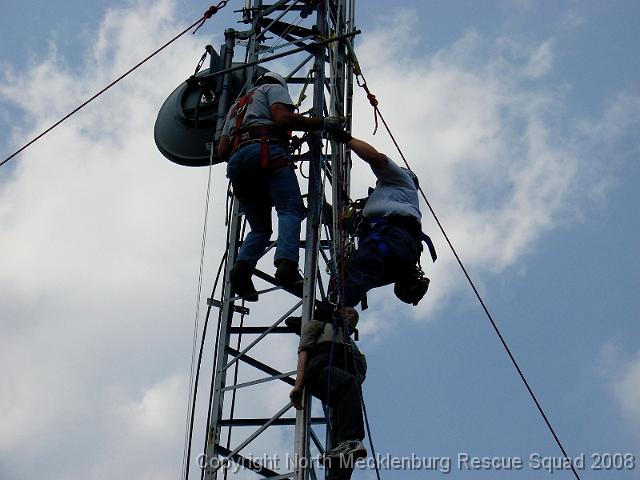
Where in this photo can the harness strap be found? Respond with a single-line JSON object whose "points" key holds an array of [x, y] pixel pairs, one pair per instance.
{"points": [[264, 147], [248, 138], [261, 135], [432, 249], [253, 133], [409, 224], [240, 111]]}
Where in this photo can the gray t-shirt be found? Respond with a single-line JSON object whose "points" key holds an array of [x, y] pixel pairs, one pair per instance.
{"points": [[316, 332], [395, 194], [259, 110]]}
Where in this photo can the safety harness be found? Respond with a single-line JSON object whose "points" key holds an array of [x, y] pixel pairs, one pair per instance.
{"points": [[368, 224], [354, 222], [256, 133]]}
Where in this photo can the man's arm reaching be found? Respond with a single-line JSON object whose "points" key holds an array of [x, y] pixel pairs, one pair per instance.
{"points": [[367, 153], [285, 119], [298, 388]]}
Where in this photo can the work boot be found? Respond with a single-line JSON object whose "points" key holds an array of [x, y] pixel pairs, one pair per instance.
{"points": [[241, 284], [287, 275], [345, 455]]}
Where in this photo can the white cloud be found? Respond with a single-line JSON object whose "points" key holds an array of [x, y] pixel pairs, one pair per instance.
{"points": [[100, 257], [101, 235], [628, 389], [622, 375], [541, 61], [572, 20], [485, 144]]}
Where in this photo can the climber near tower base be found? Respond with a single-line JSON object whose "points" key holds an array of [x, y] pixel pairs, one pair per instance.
{"points": [[332, 367], [390, 234], [254, 141]]}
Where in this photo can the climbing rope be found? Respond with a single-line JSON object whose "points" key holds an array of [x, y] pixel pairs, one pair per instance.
{"points": [[371, 97], [208, 14], [360, 381], [375, 104], [339, 274], [211, 11], [345, 330]]}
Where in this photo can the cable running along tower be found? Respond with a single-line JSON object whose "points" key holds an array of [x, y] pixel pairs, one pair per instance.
{"points": [[308, 40]]}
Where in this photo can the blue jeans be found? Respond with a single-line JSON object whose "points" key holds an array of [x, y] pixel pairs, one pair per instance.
{"points": [[258, 191]]}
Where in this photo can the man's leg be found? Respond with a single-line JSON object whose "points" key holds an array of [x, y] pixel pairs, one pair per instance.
{"points": [[379, 261], [404, 253], [336, 472], [343, 395], [365, 270], [257, 211], [258, 214], [287, 200], [251, 186], [346, 405]]}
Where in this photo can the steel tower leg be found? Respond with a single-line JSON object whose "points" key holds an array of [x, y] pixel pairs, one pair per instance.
{"points": [[315, 203]]}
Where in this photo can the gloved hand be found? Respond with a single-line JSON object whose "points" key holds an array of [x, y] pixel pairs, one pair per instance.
{"points": [[332, 124], [341, 136]]}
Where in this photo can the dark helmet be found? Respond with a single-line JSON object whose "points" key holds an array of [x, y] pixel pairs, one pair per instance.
{"points": [[272, 77], [411, 289], [413, 177]]}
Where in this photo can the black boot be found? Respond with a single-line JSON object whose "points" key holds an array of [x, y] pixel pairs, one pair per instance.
{"points": [[287, 276], [241, 284]]}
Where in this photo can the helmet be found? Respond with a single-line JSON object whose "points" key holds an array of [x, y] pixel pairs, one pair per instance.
{"points": [[272, 77], [413, 176], [411, 289]]}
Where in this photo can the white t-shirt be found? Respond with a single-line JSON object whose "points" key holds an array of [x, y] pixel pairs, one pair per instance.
{"points": [[259, 110], [395, 194]]}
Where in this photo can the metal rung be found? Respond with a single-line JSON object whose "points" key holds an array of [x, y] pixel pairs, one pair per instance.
{"points": [[259, 330], [256, 422], [259, 381], [324, 244], [212, 302], [259, 365]]}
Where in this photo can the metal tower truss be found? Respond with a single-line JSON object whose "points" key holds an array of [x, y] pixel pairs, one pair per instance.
{"points": [[251, 424]]}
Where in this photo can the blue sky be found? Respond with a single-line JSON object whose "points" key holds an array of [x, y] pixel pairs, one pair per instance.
{"points": [[521, 119]]}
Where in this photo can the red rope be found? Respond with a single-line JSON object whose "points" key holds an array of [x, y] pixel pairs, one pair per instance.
{"points": [[211, 11], [372, 99]]}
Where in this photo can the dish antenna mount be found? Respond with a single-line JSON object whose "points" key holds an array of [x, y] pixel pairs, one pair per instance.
{"points": [[185, 130]]}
